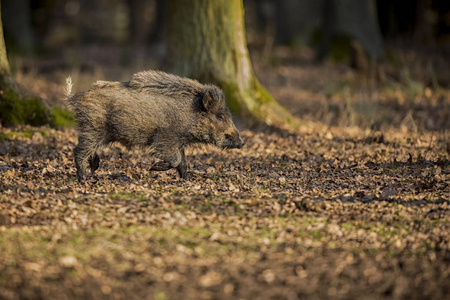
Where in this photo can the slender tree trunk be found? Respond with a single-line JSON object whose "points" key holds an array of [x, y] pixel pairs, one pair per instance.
{"points": [[137, 21], [17, 16], [157, 35], [206, 40], [16, 105], [4, 65]]}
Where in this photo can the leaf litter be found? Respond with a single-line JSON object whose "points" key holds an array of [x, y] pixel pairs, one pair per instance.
{"points": [[323, 213], [358, 206]]}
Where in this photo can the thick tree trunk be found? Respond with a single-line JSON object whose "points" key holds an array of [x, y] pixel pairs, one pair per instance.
{"points": [[16, 105], [297, 20], [206, 40]]}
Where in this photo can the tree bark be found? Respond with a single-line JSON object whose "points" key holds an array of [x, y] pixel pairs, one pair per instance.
{"points": [[16, 105], [17, 17], [137, 21], [4, 65], [157, 36], [206, 40]]}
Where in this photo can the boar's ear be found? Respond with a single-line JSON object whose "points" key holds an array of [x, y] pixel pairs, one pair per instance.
{"points": [[207, 99]]}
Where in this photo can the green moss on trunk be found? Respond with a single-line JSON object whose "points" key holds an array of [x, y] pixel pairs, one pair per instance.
{"points": [[256, 104], [17, 109]]}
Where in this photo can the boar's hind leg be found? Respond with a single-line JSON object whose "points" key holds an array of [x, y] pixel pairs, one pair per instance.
{"points": [[94, 162], [84, 153]]}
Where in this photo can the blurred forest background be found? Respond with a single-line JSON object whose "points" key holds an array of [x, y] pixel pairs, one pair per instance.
{"points": [[355, 203], [345, 62]]}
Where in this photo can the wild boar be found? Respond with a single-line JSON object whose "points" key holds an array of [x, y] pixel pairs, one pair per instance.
{"points": [[161, 111]]}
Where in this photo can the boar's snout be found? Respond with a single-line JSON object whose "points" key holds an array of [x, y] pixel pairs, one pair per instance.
{"points": [[240, 143], [235, 142]]}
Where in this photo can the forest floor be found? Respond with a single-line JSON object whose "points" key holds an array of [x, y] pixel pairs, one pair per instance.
{"points": [[355, 204]]}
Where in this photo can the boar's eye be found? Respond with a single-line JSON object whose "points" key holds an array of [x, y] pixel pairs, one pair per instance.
{"points": [[220, 117]]}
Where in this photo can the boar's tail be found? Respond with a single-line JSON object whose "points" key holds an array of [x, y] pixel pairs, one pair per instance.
{"points": [[68, 88]]}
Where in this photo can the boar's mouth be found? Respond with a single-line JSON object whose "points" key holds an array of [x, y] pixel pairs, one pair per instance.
{"points": [[232, 143]]}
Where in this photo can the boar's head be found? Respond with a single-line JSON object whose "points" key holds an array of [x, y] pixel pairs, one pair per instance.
{"points": [[215, 125]]}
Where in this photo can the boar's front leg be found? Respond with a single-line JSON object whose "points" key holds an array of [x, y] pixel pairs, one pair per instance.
{"points": [[182, 167], [174, 159]]}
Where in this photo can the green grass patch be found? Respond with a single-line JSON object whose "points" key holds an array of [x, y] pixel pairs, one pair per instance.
{"points": [[26, 133], [160, 295], [129, 196], [62, 118], [348, 226]]}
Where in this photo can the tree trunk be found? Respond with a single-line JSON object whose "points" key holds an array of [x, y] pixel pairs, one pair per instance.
{"points": [[157, 35], [16, 105], [354, 18], [4, 65], [206, 40], [17, 25], [297, 20], [137, 22]]}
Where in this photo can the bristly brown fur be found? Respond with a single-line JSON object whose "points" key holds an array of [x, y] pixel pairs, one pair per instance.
{"points": [[154, 109]]}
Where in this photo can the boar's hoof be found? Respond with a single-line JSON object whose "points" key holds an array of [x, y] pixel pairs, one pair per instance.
{"points": [[161, 166], [94, 163], [165, 166], [185, 175], [80, 178]]}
